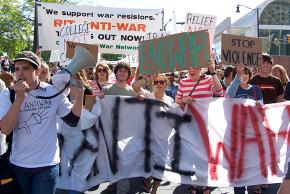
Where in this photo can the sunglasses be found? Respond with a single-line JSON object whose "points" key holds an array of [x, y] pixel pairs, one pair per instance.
{"points": [[160, 82], [102, 70]]}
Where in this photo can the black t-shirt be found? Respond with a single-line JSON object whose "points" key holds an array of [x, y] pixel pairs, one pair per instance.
{"points": [[287, 92], [271, 87]]}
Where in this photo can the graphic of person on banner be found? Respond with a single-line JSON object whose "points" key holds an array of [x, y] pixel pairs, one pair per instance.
{"points": [[192, 88]]}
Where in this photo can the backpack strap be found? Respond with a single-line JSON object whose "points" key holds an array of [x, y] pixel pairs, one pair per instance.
{"points": [[99, 85], [201, 77]]}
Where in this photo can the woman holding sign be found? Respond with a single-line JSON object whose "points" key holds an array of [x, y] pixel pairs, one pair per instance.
{"points": [[198, 86], [240, 88], [151, 184]]}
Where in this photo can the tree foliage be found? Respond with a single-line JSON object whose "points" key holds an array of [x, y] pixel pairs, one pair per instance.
{"points": [[17, 21], [15, 31], [112, 57]]}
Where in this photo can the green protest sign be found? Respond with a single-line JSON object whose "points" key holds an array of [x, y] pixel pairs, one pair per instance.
{"points": [[174, 52]]}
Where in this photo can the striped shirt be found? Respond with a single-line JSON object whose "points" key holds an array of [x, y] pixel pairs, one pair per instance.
{"points": [[205, 88], [96, 89]]}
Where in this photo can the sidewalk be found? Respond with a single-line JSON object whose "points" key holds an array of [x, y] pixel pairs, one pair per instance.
{"points": [[171, 188]]}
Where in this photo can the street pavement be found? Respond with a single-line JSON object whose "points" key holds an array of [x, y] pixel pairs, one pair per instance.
{"points": [[170, 188]]}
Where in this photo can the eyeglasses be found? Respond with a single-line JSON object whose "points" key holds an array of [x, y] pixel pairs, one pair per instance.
{"points": [[159, 81], [102, 70]]}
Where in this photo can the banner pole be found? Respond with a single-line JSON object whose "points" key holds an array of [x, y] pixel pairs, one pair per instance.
{"points": [[35, 32]]}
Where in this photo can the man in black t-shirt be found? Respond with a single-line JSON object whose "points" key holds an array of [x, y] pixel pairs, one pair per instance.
{"points": [[271, 86], [273, 92]]}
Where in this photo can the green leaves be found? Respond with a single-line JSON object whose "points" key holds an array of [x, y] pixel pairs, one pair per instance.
{"points": [[17, 24]]}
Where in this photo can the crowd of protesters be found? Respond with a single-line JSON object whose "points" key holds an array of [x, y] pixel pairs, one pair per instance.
{"points": [[28, 76]]}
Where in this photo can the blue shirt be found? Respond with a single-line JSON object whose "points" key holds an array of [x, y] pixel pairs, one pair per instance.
{"points": [[171, 90], [236, 91]]}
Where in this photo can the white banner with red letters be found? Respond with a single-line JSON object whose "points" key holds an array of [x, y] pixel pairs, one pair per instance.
{"points": [[215, 142], [115, 30]]}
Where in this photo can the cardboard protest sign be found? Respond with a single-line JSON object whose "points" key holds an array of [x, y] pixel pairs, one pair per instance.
{"points": [[70, 49], [241, 49], [80, 37], [197, 22], [174, 52], [54, 56]]}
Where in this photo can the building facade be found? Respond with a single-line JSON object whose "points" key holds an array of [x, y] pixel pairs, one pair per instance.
{"points": [[272, 24]]}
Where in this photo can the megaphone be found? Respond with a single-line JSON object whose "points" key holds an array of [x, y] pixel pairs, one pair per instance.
{"points": [[82, 59]]}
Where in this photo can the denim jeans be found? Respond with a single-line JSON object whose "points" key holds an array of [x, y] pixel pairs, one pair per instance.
{"points": [[40, 180], [239, 190], [123, 186], [74, 192]]}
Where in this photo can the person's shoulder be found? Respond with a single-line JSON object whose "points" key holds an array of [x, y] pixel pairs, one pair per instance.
{"points": [[49, 88], [254, 79], [109, 86], [276, 79], [206, 77], [257, 76], [129, 87], [186, 79]]}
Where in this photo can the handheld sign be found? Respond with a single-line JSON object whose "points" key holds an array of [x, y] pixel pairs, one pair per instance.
{"points": [[70, 49], [241, 49], [174, 52], [197, 22]]}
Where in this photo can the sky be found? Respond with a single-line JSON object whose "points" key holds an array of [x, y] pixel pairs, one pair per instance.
{"points": [[219, 8]]}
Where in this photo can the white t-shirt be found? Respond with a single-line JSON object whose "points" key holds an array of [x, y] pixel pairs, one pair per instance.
{"points": [[2, 85], [4, 107], [35, 141]]}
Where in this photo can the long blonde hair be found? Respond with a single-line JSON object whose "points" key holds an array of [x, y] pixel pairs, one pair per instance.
{"points": [[284, 77]]}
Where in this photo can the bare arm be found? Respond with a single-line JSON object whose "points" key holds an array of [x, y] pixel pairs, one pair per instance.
{"points": [[138, 84], [78, 103], [216, 83]]}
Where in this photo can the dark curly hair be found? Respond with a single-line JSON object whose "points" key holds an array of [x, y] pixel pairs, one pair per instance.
{"points": [[123, 65]]}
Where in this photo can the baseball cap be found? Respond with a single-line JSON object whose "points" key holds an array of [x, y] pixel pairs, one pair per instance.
{"points": [[28, 56]]}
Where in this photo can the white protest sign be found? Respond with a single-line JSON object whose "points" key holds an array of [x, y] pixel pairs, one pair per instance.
{"points": [[118, 29], [239, 145], [54, 56], [197, 22], [81, 37]]}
